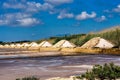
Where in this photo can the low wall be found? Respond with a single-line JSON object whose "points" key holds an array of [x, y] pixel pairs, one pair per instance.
{"points": [[73, 51], [89, 50], [34, 48], [92, 50], [78, 50], [111, 51], [49, 49]]}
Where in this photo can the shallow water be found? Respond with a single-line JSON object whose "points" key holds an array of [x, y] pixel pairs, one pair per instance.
{"points": [[46, 67]]}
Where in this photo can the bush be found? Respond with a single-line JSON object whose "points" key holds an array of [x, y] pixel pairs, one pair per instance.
{"points": [[107, 71], [28, 78]]}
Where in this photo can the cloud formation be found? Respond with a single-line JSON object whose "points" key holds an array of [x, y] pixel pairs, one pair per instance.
{"points": [[24, 16], [28, 21], [84, 15], [27, 11], [18, 19], [58, 2], [14, 5], [117, 9], [64, 14], [28, 6], [100, 19], [36, 7]]}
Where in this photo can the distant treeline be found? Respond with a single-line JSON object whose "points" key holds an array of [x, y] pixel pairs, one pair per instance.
{"points": [[1, 42]]}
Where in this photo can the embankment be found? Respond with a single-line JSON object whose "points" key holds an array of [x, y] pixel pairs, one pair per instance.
{"points": [[78, 50], [16, 53]]}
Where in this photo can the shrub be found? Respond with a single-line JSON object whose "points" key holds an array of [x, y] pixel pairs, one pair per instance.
{"points": [[28, 78], [107, 71]]}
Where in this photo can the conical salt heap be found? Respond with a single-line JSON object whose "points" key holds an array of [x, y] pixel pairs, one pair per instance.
{"points": [[64, 43], [97, 42]]}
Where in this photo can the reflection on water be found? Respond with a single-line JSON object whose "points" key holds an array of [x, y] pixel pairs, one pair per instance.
{"points": [[53, 66]]}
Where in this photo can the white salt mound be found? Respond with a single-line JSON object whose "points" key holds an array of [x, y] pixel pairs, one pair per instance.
{"points": [[45, 44], [64, 43], [97, 42]]}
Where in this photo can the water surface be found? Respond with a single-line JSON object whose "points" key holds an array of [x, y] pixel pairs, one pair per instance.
{"points": [[46, 67]]}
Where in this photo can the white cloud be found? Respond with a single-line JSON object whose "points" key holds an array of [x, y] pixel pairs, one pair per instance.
{"points": [[64, 14], [100, 19], [46, 6], [58, 2], [4, 22], [13, 5], [28, 6], [84, 15], [18, 19], [32, 7], [28, 21], [117, 9], [35, 7], [25, 15], [13, 16]]}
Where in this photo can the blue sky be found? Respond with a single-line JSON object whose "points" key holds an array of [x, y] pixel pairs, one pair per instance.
{"points": [[37, 19]]}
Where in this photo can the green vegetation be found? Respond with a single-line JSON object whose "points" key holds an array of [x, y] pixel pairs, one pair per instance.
{"points": [[105, 72], [112, 35], [28, 78], [70, 37], [3, 43], [79, 39]]}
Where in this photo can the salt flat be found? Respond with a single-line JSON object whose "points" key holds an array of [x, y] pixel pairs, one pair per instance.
{"points": [[48, 67]]}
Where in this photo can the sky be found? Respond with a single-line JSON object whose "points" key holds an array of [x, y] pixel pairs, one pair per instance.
{"points": [[38, 19]]}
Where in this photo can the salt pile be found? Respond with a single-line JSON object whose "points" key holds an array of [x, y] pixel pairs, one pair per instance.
{"points": [[97, 42], [64, 43], [45, 44]]}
